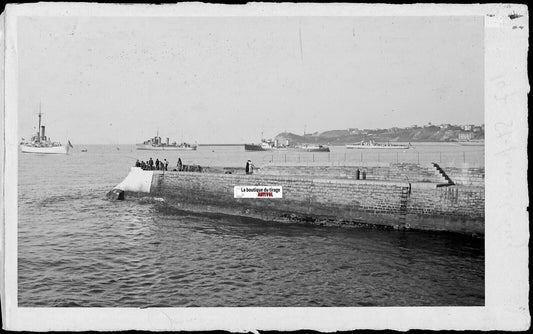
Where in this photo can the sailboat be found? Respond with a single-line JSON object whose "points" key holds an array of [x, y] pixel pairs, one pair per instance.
{"points": [[40, 143]]}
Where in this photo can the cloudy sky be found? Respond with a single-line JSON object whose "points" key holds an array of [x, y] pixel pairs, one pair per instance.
{"points": [[109, 80]]}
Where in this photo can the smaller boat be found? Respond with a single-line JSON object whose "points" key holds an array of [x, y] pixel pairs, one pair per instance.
{"points": [[371, 144], [155, 143], [84, 150], [312, 148]]}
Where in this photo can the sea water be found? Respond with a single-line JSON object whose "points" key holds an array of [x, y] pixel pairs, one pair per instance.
{"points": [[76, 248]]}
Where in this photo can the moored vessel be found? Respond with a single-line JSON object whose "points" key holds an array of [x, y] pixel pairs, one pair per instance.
{"points": [[312, 148], [265, 145], [371, 144]]}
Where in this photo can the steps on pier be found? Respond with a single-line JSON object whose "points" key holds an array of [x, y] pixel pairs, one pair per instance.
{"points": [[447, 180]]}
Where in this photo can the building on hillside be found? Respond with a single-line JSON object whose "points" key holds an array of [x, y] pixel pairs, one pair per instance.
{"points": [[466, 135]]}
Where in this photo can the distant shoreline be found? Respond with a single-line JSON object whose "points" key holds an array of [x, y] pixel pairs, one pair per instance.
{"points": [[333, 144]]}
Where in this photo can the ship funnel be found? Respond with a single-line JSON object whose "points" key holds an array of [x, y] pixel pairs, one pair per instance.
{"points": [[168, 141], [42, 132]]}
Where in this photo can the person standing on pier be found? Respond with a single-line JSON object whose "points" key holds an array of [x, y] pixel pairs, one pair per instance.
{"points": [[157, 164], [151, 163], [166, 165], [180, 165], [249, 167]]}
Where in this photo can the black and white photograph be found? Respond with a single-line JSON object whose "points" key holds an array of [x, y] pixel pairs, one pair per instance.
{"points": [[210, 158]]}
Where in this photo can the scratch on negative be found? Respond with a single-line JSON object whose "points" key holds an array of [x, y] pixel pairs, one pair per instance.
{"points": [[301, 49]]}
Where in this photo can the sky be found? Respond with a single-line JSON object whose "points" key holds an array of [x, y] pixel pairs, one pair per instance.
{"points": [[121, 80]]}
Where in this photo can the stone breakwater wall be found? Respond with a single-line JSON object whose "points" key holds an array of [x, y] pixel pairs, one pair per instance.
{"points": [[384, 172], [323, 201], [409, 172]]}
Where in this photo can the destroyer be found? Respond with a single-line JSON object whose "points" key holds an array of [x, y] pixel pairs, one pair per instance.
{"points": [[155, 143]]}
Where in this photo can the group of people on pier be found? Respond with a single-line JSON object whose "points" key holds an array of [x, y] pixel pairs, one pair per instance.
{"points": [[157, 165], [163, 165]]}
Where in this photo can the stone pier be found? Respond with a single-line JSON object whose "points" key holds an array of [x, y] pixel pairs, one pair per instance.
{"points": [[399, 196]]}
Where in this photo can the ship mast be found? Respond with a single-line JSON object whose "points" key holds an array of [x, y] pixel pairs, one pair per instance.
{"points": [[39, 128]]}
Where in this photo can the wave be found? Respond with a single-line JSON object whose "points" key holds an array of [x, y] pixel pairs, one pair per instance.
{"points": [[54, 199]]}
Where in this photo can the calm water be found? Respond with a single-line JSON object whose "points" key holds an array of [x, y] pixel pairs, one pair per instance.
{"points": [[78, 249]]}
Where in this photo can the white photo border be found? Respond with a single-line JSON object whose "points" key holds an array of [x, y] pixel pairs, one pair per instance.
{"points": [[507, 230]]}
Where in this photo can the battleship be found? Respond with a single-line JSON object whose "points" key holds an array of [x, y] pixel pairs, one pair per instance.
{"points": [[40, 143]]}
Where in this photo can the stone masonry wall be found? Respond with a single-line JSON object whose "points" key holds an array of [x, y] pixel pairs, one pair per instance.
{"points": [[468, 176], [326, 197], [454, 208], [403, 172]]}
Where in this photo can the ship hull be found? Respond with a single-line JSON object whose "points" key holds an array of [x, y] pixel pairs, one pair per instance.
{"points": [[253, 147], [313, 149], [379, 147], [45, 150], [164, 148]]}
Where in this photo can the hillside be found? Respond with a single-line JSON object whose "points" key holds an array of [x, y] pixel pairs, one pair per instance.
{"points": [[411, 134]]}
